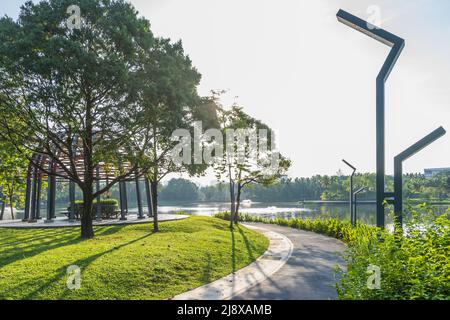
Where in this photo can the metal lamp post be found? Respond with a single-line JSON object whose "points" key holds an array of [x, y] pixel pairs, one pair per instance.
{"points": [[352, 218], [398, 171], [355, 196], [397, 44]]}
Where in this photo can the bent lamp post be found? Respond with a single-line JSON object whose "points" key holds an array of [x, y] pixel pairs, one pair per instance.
{"points": [[397, 44], [351, 191], [398, 171], [355, 195]]}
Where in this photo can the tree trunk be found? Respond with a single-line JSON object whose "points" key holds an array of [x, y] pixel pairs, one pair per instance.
{"points": [[11, 206], [2, 210], [232, 200], [154, 187], [87, 230], [238, 203]]}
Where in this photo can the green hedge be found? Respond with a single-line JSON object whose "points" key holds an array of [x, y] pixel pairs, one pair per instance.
{"points": [[342, 230], [415, 265], [109, 207]]}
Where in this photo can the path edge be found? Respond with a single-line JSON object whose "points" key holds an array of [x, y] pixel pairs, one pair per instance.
{"points": [[261, 269]]}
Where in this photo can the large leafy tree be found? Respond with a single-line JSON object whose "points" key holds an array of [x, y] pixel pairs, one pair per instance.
{"points": [[76, 85], [170, 102], [249, 156]]}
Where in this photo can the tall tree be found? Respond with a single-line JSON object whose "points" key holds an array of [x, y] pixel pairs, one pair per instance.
{"points": [[249, 155], [171, 104], [76, 91]]}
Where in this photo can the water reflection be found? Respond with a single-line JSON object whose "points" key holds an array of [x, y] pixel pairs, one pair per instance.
{"points": [[365, 210]]}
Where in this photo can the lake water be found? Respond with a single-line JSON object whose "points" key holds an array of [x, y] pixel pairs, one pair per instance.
{"points": [[365, 210]]}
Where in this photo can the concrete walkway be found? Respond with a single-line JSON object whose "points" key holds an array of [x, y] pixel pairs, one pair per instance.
{"points": [[299, 265], [62, 222], [309, 272], [279, 251]]}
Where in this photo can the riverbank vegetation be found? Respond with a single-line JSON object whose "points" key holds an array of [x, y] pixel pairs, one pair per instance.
{"points": [[124, 262], [415, 265], [417, 189]]}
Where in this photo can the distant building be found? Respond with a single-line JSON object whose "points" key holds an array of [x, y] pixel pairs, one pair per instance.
{"points": [[430, 173]]}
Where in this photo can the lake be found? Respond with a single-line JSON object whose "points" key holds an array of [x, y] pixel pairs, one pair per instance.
{"points": [[365, 210], [312, 209]]}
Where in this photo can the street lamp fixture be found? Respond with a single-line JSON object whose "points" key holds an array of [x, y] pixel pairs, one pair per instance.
{"points": [[355, 196], [351, 190], [397, 44], [398, 171]]}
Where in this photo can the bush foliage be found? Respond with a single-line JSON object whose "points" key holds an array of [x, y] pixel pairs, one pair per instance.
{"points": [[413, 265], [108, 207]]}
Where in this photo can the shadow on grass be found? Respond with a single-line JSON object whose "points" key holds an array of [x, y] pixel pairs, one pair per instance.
{"points": [[233, 251], [56, 239], [83, 264], [207, 270], [32, 235]]}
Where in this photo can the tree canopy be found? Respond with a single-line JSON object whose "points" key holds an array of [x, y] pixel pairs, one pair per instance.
{"points": [[105, 92]]}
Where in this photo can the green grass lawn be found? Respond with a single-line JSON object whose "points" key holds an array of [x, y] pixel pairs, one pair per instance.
{"points": [[124, 262]]}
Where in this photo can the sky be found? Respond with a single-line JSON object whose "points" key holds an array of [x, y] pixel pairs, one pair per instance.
{"points": [[291, 64]]}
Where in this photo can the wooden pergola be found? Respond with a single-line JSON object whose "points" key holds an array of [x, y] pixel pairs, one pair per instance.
{"points": [[104, 172]]}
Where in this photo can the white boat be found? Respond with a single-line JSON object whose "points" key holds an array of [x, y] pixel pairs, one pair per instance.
{"points": [[246, 203]]}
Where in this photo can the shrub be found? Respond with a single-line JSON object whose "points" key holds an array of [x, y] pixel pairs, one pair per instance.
{"points": [[108, 207], [413, 265]]}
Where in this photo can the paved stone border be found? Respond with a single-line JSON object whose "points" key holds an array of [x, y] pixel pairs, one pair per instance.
{"points": [[279, 251], [65, 223]]}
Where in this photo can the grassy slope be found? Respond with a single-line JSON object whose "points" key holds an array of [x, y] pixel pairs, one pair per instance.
{"points": [[123, 262]]}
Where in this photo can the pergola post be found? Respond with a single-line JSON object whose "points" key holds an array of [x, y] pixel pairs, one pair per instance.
{"points": [[53, 197], [125, 196], [51, 193], [72, 201], [138, 196], [98, 204], [32, 218], [38, 198], [26, 215], [122, 196], [50, 208], [148, 194]]}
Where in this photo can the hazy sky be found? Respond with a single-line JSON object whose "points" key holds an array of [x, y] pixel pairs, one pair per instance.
{"points": [[292, 65]]}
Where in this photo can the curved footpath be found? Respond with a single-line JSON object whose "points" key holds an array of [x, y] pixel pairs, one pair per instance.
{"points": [[299, 265], [309, 272]]}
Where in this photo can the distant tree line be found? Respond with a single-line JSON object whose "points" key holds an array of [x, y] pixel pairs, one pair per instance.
{"points": [[318, 187]]}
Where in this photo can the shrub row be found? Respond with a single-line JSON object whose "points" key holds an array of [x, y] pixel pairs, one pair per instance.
{"points": [[108, 207], [413, 265]]}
